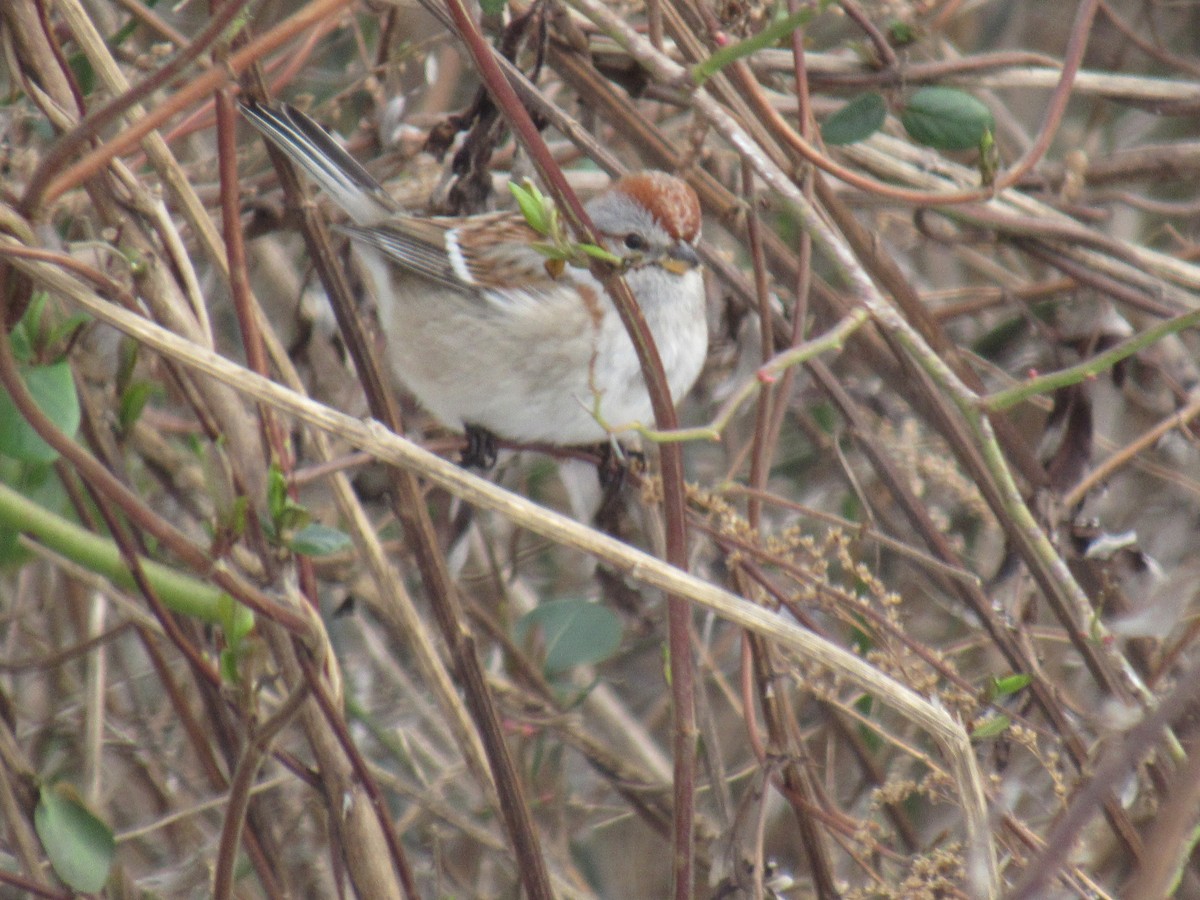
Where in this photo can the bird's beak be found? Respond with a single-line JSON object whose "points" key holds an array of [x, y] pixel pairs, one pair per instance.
{"points": [[681, 258]]}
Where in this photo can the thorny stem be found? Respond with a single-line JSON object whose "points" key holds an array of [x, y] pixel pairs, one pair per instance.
{"points": [[1092, 367], [766, 374]]}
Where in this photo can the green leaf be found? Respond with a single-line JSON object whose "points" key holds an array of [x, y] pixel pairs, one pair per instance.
{"points": [[993, 727], [235, 620], [989, 158], [85, 75], [227, 662], [277, 491], [124, 33], [286, 514], [574, 632], [535, 207], [26, 337], [63, 331], [856, 121], [492, 7], [900, 33], [1008, 685], [80, 846], [133, 400], [778, 30], [600, 253], [316, 539], [825, 416], [53, 391], [946, 118]]}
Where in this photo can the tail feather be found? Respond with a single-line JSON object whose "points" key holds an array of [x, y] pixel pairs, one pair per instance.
{"points": [[312, 148]]}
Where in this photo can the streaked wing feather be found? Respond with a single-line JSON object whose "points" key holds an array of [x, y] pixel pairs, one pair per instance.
{"points": [[424, 255], [421, 246]]}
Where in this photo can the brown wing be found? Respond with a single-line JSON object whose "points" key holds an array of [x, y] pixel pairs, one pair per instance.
{"points": [[430, 248]]}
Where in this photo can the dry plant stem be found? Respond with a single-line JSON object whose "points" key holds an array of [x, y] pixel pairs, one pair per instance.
{"points": [[781, 130], [152, 20], [203, 85], [884, 53], [767, 375], [803, 289], [1112, 769], [112, 489], [1091, 368], [1012, 70], [1158, 274], [353, 816], [30, 888], [408, 628], [200, 742], [1171, 838], [1153, 50], [239, 280], [670, 457], [389, 447], [172, 174], [39, 663], [133, 552], [643, 790], [794, 777], [864, 532], [128, 98], [781, 727], [894, 281], [26, 40], [1081, 274], [371, 820], [18, 795], [242, 782]]}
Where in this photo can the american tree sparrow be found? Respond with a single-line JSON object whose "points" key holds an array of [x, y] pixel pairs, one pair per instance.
{"points": [[479, 330]]}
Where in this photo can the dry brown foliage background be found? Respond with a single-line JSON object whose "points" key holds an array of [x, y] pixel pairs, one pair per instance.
{"points": [[980, 462]]}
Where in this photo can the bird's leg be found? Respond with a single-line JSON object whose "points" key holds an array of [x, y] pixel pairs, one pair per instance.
{"points": [[614, 466], [480, 452]]}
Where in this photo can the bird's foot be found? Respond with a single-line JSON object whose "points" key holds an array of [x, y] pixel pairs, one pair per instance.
{"points": [[616, 462], [480, 452]]}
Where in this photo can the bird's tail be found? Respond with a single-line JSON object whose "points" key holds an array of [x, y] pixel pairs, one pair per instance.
{"points": [[312, 148]]}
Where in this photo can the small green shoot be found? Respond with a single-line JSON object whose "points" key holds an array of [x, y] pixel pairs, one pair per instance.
{"points": [[990, 728], [1007, 685], [560, 249]]}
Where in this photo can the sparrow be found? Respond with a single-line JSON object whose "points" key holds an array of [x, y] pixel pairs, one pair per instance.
{"points": [[489, 338]]}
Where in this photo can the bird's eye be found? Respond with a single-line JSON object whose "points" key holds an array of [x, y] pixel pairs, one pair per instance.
{"points": [[635, 241]]}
